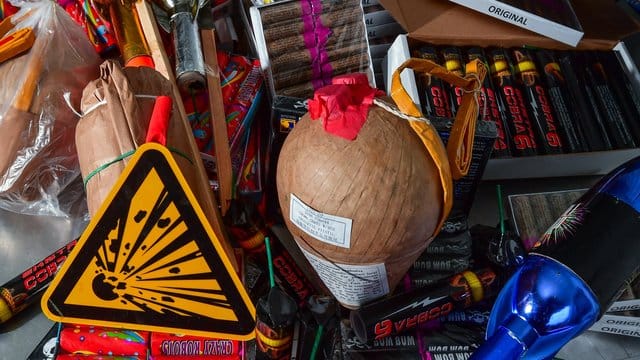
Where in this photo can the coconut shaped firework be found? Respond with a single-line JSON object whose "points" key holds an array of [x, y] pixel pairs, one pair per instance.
{"points": [[364, 188]]}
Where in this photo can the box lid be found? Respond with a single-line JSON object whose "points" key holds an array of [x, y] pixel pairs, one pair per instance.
{"points": [[443, 22]]}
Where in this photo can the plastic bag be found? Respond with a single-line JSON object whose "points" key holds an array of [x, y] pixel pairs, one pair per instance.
{"points": [[38, 160]]}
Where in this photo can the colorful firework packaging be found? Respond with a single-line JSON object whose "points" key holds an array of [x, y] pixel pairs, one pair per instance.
{"points": [[490, 109], [171, 345], [443, 339], [517, 118], [249, 177], [24, 289], [611, 111], [276, 314], [84, 13], [623, 91], [573, 274], [537, 102], [97, 357], [196, 105], [233, 70], [588, 117], [406, 311], [453, 62], [434, 93], [90, 340], [571, 135], [307, 43], [247, 226], [241, 109]]}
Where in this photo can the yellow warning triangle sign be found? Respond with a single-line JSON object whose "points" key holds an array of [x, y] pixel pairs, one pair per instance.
{"points": [[149, 260]]}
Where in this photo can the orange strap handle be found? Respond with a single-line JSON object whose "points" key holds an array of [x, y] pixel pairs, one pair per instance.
{"points": [[460, 142], [454, 162]]}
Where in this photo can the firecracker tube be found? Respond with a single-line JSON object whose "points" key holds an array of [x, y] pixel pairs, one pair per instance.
{"points": [[406, 311], [23, 290]]}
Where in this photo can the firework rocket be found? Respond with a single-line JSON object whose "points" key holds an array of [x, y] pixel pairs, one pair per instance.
{"points": [[408, 311], [512, 99], [434, 93], [489, 106], [572, 275], [537, 102], [453, 62]]}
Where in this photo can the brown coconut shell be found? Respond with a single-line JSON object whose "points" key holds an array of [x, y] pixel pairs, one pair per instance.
{"points": [[384, 180]]}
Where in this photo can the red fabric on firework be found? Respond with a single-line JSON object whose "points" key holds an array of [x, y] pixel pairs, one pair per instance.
{"points": [[159, 123], [89, 340], [343, 106], [178, 347]]}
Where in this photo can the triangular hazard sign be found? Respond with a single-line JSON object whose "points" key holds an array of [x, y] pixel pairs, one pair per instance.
{"points": [[149, 260]]}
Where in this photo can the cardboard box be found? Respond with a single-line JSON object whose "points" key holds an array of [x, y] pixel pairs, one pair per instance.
{"points": [[366, 3], [384, 30], [441, 22], [556, 19], [378, 18], [444, 23]]}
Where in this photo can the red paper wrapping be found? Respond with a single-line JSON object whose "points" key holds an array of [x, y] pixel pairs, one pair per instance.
{"points": [[233, 71], [196, 105], [238, 109], [172, 346], [159, 123], [89, 340], [343, 106]]}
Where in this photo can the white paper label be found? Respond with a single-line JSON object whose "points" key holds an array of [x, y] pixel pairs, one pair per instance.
{"points": [[620, 325], [331, 229], [625, 305], [351, 285]]}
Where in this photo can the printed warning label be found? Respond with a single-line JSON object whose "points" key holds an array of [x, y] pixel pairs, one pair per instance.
{"points": [[331, 229], [351, 285]]}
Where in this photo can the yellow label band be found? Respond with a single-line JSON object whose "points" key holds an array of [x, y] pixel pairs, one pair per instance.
{"points": [[477, 292]]}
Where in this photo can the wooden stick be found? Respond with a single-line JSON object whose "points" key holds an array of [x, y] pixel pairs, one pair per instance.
{"points": [[154, 41], [26, 94], [203, 192], [218, 120]]}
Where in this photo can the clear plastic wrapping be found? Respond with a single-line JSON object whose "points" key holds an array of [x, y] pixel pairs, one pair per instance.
{"points": [[305, 43], [38, 158]]}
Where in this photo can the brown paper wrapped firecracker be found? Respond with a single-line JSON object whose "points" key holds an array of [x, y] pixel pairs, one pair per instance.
{"points": [[347, 34], [365, 189], [296, 9], [116, 109], [334, 19], [296, 76], [296, 59]]}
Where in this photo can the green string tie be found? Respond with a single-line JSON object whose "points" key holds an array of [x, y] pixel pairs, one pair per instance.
{"points": [[126, 155]]}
